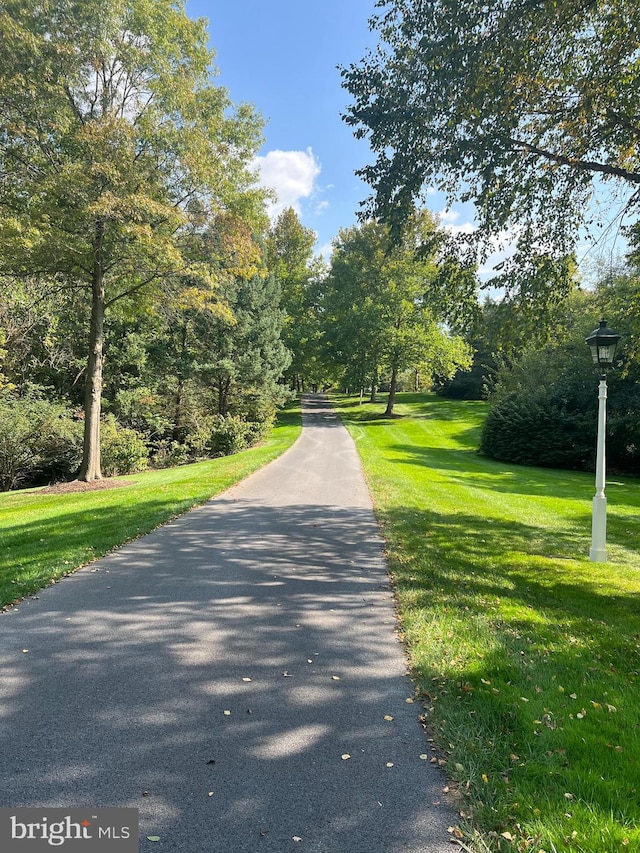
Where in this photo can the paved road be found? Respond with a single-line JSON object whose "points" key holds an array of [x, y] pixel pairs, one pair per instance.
{"points": [[243, 649]]}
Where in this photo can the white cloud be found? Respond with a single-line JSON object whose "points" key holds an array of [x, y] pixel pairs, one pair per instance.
{"points": [[449, 219], [292, 174], [321, 207]]}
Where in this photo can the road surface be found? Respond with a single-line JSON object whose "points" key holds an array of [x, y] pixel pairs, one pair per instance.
{"points": [[235, 675]]}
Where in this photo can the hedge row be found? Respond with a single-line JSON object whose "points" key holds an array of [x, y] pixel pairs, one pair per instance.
{"points": [[546, 431]]}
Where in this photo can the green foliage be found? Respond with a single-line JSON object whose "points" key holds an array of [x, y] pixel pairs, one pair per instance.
{"points": [[228, 434], [502, 330], [539, 429], [124, 451], [39, 441], [543, 407], [42, 337], [169, 454], [289, 256], [515, 106], [248, 356], [382, 307], [140, 152]]}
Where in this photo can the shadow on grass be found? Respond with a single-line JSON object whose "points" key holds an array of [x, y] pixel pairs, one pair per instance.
{"points": [[523, 621], [469, 565], [490, 473], [475, 469], [422, 406]]}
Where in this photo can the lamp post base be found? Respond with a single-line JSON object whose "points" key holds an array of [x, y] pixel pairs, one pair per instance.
{"points": [[598, 553]]}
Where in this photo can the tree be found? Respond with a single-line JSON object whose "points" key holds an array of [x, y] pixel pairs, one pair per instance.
{"points": [[289, 255], [202, 351], [39, 338], [501, 329], [517, 106], [382, 309], [246, 356], [114, 147]]}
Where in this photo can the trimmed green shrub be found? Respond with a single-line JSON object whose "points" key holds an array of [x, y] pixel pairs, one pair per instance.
{"points": [[539, 431]]}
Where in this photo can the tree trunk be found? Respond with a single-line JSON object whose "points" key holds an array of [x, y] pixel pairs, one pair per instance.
{"points": [[392, 393], [223, 395], [219, 389], [177, 432], [374, 389], [90, 468]]}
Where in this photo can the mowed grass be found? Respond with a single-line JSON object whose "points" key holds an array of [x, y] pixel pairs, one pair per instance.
{"points": [[45, 536], [526, 654]]}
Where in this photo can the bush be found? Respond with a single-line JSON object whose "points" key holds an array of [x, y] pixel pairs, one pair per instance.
{"points": [[169, 454], [466, 384], [544, 412], [229, 434], [40, 442], [539, 431], [123, 450]]}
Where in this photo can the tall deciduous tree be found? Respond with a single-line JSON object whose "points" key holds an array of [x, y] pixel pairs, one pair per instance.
{"points": [[114, 146], [383, 310], [516, 105]]}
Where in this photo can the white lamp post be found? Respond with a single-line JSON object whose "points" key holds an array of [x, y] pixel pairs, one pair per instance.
{"points": [[602, 342]]}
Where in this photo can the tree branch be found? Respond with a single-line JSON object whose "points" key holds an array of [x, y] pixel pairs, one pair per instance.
{"points": [[156, 275], [74, 107], [576, 163]]}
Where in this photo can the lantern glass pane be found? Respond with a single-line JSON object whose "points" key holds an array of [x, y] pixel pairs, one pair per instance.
{"points": [[605, 354]]}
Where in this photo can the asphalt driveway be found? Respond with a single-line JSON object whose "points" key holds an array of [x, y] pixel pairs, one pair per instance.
{"points": [[235, 675]]}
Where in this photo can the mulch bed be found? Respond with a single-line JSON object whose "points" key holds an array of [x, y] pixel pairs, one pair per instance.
{"points": [[81, 486]]}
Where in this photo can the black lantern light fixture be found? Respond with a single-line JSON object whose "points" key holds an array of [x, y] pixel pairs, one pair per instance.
{"points": [[602, 343]]}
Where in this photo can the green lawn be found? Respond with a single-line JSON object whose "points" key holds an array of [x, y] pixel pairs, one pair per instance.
{"points": [[45, 536], [526, 654]]}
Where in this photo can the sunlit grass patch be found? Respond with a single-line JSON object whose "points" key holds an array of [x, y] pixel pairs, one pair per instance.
{"points": [[526, 654]]}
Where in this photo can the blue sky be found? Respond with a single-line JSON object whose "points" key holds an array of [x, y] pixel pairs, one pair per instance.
{"points": [[281, 56]]}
